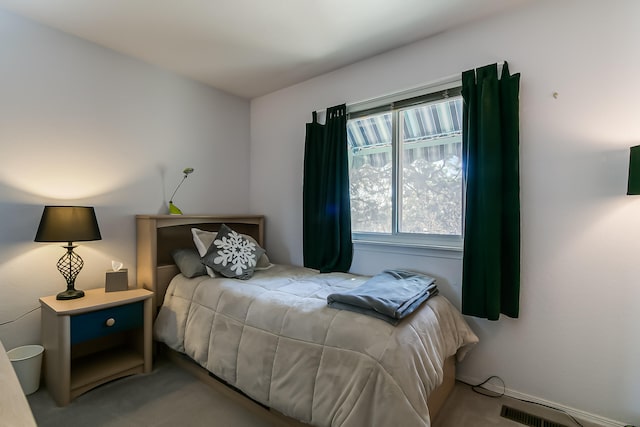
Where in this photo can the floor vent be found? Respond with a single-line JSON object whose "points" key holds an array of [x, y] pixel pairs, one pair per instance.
{"points": [[526, 418]]}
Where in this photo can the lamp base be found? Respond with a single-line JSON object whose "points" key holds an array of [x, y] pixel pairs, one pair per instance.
{"points": [[174, 210], [70, 294]]}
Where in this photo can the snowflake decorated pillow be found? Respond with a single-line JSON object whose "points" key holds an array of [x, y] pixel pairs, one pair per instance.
{"points": [[232, 254]]}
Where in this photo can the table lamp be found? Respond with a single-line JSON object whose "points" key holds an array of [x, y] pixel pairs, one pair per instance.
{"points": [[68, 224], [173, 209]]}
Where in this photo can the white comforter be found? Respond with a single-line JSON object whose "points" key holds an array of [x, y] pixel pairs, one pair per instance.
{"points": [[274, 338]]}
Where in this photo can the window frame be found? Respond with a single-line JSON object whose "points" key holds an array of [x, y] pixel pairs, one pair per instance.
{"points": [[395, 103]]}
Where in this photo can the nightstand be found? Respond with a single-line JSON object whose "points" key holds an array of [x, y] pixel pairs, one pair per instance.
{"points": [[92, 340]]}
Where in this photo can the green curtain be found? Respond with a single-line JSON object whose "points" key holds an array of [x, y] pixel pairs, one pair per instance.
{"points": [[490, 144], [326, 205]]}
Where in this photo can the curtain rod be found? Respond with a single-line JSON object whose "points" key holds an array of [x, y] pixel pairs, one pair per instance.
{"points": [[452, 78], [409, 92]]}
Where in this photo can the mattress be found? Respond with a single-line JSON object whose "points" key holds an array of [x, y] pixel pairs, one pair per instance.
{"points": [[274, 337]]}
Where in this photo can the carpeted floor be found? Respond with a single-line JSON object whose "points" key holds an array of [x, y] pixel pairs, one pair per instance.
{"points": [[168, 396], [171, 396], [466, 408]]}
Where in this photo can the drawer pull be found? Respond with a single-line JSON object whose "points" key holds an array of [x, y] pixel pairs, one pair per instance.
{"points": [[110, 322]]}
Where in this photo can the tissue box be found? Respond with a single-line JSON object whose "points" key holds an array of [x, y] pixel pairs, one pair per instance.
{"points": [[117, 281]]}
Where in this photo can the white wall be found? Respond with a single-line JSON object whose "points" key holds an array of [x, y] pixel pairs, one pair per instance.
{"points": [[80, 124], [577, 342]]}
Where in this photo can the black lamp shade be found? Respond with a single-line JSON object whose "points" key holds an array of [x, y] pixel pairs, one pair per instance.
{"points": [[633, 185], [68, 224]]}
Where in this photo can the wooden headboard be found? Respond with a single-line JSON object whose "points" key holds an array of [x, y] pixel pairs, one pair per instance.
{"points": [[158, 235]]}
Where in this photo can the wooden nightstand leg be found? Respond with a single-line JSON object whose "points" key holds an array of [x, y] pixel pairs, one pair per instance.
{"points": [[148, 323], [64, 379], [56, 341]]}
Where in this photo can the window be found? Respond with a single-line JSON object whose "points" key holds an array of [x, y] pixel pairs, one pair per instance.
{"points": [[405, 170]]}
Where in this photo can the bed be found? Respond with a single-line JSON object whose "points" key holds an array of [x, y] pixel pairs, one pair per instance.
{"points": [[274, 338]]}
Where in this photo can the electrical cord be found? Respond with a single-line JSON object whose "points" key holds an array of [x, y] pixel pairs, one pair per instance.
{"points": [[484, 391], [478, 388], [19, 317]]}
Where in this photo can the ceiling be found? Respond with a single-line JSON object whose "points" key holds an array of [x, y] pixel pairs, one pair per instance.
{"points": [[252, 47]]}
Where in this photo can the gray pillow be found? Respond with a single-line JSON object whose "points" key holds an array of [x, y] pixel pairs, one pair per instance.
{"points": [[188, 262], [232, 254], [203, 240]]}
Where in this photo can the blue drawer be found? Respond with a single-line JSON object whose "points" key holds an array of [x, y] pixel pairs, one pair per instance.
{"points": [[96, 324]]}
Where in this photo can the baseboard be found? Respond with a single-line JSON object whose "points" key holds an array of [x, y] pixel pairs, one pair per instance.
{"points": [[581, 415]]}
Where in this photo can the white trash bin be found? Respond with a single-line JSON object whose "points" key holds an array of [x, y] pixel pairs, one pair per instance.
{"points": [[27, 361]]}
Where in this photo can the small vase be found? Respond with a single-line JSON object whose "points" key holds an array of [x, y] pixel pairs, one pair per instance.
{"points": [[174, 210]]}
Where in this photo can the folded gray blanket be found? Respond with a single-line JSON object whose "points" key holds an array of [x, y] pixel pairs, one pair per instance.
{"points": [[390, 295]]}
